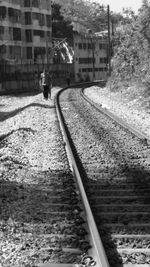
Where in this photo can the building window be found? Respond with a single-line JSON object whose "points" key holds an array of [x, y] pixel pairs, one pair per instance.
{"points": [[35, 16], [84, 70], [87, 60], [28, 35], [17, 15], [87, 70], [39, 51], [41, 20], [35, 3], [3, 49], [16, 34], [17, 52], [79, 45], [103, 60], [10, 12], [84, 46], [29, 52], [93, 46], [90, 70], [28, 20], [10, 33], [102, 69], [39, 17], [39, 33], [102, 46], [3, 12], [14, 14], [49, 34], [27, 3], [48, 20], [11, 51], [1, 30], [89, 46]]}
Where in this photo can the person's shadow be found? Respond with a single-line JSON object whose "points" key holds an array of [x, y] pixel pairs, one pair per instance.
{"points": [[4, 115]]}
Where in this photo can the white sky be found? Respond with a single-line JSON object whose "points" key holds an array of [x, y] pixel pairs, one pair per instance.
{"points": [[117, 5]]}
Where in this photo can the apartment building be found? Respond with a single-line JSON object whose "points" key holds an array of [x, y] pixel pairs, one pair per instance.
{"points": [[90, 56], [25, 31]]}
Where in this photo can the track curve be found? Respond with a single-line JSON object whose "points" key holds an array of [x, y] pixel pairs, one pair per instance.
{"points": [[97, 251], [115, 167]]}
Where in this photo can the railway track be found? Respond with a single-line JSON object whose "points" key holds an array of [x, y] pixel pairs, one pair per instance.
{"points": [[43, 222], [114, 164]]}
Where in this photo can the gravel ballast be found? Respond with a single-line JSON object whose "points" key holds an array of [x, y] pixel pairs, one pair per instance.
{"points": [[115, 167], [32, 153], [35, 181], [131, 105]]}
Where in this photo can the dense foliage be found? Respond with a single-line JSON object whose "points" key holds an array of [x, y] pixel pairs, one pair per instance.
{"points": [[61, 28], [131, 61], [89, 14]]}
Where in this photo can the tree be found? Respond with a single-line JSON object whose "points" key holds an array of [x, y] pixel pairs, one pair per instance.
{"points": [[60, 27], [90, 15], [131, 61], [73, 9], [62, 34]]}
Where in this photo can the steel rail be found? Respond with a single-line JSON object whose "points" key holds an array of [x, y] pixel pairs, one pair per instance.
{"points": [[120, 121], [97, 251]]}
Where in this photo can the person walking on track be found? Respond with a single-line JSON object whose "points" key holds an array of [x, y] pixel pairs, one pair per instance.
{"points": [[46, 83]]}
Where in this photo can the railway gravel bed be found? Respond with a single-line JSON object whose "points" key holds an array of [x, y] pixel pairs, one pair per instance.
{"points": [[115, 168], [40, 218], [131, 104]]}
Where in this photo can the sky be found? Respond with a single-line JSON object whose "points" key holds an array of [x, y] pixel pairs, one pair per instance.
{"points": [[117, 5]]}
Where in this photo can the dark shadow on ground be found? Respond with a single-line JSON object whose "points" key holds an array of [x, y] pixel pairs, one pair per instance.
{"points": [[6, 115], [137, 180], [27, 201], [4, 136], [19, 93], [130, 173]]}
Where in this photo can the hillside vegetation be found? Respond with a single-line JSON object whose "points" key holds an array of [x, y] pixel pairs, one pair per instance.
{"points": [[131, 60]]}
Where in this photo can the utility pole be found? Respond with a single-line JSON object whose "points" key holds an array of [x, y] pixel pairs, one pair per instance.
{"points": [[93, 57], [47, 38], [47, 54], [109, 43]]}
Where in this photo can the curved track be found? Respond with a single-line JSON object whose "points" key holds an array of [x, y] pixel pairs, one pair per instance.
{"points": [[97, 252], [42, 219], [115, 169]]}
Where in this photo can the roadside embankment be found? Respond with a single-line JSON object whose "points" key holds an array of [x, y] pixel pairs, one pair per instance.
{"points": [[131, 104]]}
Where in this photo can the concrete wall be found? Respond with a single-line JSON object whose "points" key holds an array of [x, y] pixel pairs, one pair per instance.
{"points": [[26, 77]]}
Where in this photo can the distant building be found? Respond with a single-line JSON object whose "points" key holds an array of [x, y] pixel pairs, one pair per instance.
{"points": [[90, 56], [25, 31]]}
